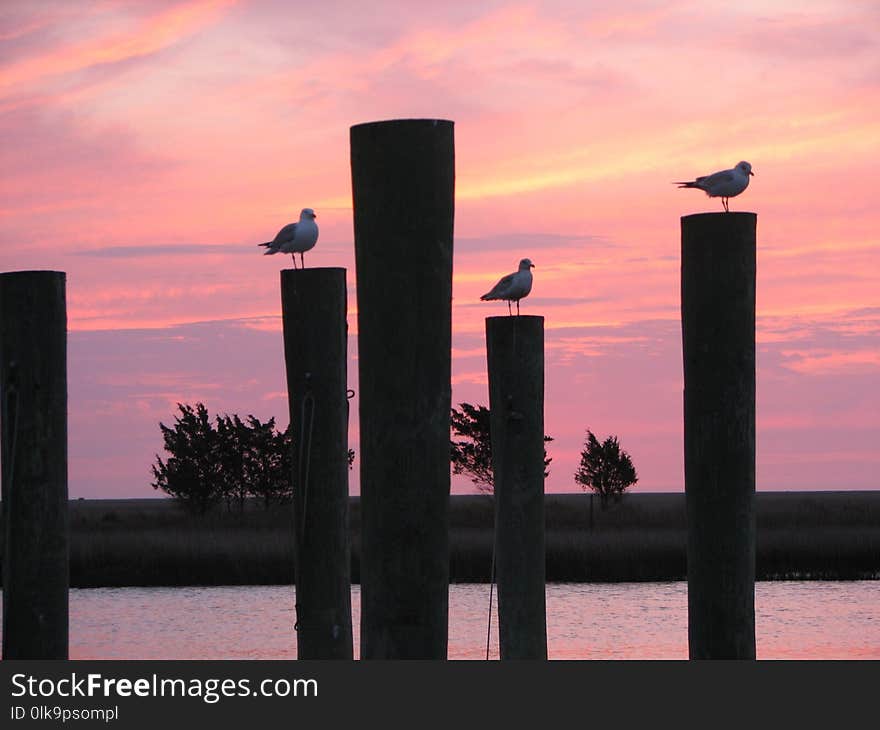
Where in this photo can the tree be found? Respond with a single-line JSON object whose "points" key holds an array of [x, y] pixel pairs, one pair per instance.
{"points": [[473, 455], [192, 472], [270, 462], [605, 468], [228, 460], [255, 460], [230, 455]]}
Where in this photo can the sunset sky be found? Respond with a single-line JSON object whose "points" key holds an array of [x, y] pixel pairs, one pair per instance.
{"points": [[148, 146]]}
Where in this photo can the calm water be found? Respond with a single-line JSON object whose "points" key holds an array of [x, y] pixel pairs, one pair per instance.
{"points": [[804, 620]]}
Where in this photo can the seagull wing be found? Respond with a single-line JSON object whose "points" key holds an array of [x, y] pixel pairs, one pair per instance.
{"points": [[285, 236], [501, 289], [705, 182], [288, 233], [716, 178]]}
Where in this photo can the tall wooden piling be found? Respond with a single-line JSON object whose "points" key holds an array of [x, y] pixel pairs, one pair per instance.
{"points": [[515, 353], [403, 180], [314, 308], [718, 340], [33, 393]]}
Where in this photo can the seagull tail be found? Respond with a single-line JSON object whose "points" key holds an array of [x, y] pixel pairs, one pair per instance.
{"points": [[691, 184]]}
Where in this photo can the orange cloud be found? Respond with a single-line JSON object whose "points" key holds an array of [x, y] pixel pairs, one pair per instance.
{"points": [[149, 36]]}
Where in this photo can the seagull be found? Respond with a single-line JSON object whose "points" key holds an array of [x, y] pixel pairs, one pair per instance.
{"points": [[513, 287], [295, 237], [725, 184]]}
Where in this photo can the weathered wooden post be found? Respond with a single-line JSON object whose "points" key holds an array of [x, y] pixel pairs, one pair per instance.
{"points": [[718, 340], [33, 393], [315, 350], [403, 182], [515, 350]]}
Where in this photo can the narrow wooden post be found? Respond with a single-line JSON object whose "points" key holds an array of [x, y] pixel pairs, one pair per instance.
{"points": [[315, 350], [403, 180], [718, 340], [33, 393], [515, 349]]}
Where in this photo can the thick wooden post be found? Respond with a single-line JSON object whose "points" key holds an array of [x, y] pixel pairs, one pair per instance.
{"points": [[515, 349], [315, 351], [718, 340], [403, 180], [33, 393]]}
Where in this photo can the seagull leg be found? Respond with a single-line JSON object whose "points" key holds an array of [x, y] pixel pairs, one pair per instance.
{"points": [[724, 203], [293, 256], [509, 313], [302, 260], [517, 307]]}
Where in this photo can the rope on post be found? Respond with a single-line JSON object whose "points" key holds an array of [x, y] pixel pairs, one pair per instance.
{"points": [[491, 591]]}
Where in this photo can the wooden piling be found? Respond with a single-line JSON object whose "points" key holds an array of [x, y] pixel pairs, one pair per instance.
{"points": [[515, 353], [33, 393], [403, 180], [718, 341], [314, 308]]}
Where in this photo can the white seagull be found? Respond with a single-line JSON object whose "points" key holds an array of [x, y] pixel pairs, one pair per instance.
{"points": [[295, 237], [725, 184], [513, 287]]}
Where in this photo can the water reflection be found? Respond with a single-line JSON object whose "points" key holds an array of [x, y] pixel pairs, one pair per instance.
{"points": [[809, 620]]}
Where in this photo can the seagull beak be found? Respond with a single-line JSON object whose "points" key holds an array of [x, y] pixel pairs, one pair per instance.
{"points": [[751, 173]]}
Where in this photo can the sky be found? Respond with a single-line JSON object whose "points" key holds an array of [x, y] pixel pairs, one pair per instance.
{"points": [[148, 146]]}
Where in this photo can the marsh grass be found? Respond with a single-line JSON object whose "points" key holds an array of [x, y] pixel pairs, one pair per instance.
{"points": [[801, 535]]}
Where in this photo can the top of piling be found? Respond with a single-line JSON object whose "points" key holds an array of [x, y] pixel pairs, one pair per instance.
{"points": [[526, 318], [720, 227], [402, 122], [719, 215], [34, 272], [316, 269]]}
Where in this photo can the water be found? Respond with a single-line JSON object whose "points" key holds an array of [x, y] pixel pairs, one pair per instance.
{"points": [[794, 620]]}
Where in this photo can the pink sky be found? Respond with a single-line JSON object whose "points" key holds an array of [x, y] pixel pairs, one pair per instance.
{"points": [[148, 146]]}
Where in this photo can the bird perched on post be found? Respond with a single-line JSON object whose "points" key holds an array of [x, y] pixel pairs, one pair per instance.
{"points": [[724, 184], [513, 287], [295, 237]]}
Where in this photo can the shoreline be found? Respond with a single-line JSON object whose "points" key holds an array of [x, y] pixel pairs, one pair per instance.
{"points": [[152, 542]]}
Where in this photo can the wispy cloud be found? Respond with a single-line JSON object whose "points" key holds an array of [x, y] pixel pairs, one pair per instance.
{"points": [[140, 38], [162, 250]]}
